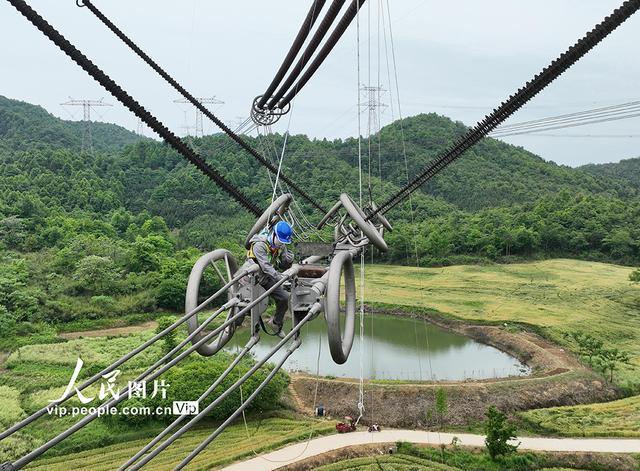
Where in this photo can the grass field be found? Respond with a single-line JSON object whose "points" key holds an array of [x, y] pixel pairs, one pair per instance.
{"points": [[554, 295], [235, 443], [615, 419]]}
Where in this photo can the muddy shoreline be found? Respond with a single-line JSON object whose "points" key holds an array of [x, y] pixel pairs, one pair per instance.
{"points": [[557, 378]]}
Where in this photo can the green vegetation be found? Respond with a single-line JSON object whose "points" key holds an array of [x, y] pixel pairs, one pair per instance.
{"points": [[396, 462], [593, 350], [422, 458], [234, 444], [37, 374], [113, 233], [619, 418], [499, 432]]}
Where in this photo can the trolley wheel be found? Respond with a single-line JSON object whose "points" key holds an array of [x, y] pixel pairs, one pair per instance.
{"points": [[340, 341], [367, 228], [224, 265]]}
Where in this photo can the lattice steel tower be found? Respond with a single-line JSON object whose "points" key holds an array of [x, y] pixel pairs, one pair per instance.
{"points": [[87, 141], [371, 100], [199, 128]]}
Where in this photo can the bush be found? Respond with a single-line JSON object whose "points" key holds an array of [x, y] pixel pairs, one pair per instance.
{"points": [[169, 341], [499, 432], [170, 294], [7, 323], [103, 303], [189, 381], [96, 274]]}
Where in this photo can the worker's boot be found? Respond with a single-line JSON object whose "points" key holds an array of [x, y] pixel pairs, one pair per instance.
{"points": [[277, 328]]}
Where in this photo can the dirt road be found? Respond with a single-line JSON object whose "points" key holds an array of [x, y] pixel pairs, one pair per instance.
{"points": [[318, 446], [110, 332]]}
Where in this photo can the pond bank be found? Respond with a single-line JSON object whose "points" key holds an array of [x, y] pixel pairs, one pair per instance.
{"points": [[557, 379]]}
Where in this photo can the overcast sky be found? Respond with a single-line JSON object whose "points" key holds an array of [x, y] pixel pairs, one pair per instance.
{"points": [[456, 58]]}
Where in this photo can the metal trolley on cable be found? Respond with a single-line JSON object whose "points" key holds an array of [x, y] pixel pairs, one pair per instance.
{"points": [[315, 287]]}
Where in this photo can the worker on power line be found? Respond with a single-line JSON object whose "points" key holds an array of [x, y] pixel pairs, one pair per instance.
{"points": [[269, 251]]}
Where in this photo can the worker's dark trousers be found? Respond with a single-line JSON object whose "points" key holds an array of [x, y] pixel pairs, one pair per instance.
{"points": [[281, 298]]}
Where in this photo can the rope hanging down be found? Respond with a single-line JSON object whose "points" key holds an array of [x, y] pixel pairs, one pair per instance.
{"points": [[180, 89], [126, 99], [515, 102]]}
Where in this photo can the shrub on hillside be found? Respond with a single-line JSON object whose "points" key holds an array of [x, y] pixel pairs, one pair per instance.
{"points": [[189, 381]]}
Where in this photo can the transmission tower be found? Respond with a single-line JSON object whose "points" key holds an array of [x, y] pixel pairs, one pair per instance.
{"points": [[371, 101], [199, 128], [87, 142], [140, 128]]}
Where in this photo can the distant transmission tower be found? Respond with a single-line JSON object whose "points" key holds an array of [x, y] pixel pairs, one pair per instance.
{"points": [[140, 128], [199, 128], [371, 100], [87, 141]]}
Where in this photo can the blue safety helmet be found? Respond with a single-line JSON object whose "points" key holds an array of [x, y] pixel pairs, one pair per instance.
{"points": [[284, 232]]}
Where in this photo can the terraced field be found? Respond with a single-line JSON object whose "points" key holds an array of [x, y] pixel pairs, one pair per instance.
{"points": [[235, 443], [611, 419]]}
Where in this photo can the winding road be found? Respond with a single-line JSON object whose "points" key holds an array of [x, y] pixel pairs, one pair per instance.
{"points": [[318, 446]]}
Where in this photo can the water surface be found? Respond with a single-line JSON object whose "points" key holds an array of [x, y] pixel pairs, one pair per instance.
{"points": [[394, 348]]}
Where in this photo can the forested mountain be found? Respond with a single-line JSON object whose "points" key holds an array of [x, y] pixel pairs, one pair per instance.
{"points": [[116, 231], [626, 170], [25, 127]]}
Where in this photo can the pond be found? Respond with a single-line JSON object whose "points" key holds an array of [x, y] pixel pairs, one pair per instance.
{"points": [[398, 348]]}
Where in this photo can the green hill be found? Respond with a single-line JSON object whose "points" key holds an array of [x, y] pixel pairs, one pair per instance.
{"points": [[136, 214], [626, 170], [27, 127]]}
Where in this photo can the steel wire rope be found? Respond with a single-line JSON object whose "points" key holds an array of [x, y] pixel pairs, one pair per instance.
{"points": [[240, 354], [410, 202], [194, 420], [122, 359], [148, 375], [337, 33], [315, 398], [315, 41], [562, 117], [515, 101], [303, 33], [361, 408], [180, 89], [568, 125], [567, 121]]}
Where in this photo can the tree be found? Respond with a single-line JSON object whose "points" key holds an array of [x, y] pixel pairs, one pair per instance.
{"points": [[587, 344], [96, 274], [12, 231], [7, 323], [499, 433], [169, 341], [634, 276], [170, 293], [442, 406], [610, 359]]}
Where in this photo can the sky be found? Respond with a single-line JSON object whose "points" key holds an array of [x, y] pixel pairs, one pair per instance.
{"points": [[459, 58]]}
